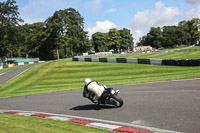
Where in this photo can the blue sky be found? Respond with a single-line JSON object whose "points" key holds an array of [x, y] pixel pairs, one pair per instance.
{"points": [[101, 15]]}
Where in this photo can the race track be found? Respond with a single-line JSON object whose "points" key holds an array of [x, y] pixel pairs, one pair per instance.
{"points": [[13, 73], [170, 105]]}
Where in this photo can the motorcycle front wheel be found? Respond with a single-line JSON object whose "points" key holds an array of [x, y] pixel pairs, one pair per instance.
{"points": [[116, 100]]}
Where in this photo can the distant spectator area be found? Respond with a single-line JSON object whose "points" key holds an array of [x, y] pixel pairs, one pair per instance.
{"points": [[141, 48]]}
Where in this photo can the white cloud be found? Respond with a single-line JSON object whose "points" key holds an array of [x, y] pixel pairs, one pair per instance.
{"points": [[95, 5], [111, 10], [159, 16], [136, 35], [101, 26], [192, 2], [193, 13]]}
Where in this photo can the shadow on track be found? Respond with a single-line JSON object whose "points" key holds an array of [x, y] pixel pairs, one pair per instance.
{"points": [[91, 107]]}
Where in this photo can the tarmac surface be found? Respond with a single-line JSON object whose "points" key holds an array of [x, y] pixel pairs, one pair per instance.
{"points": [[169, 105], [13, 73]]}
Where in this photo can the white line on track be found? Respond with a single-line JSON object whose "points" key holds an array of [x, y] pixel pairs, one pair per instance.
{"points": [[20, 73], [1, 74], [16, 75]]}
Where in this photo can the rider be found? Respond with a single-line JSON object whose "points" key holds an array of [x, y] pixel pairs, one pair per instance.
{"points": [[94, 87]]}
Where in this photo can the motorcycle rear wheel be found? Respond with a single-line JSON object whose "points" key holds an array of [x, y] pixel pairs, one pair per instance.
{"points": [[116, 100]]}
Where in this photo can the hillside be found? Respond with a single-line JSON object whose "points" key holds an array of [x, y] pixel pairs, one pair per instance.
{"points": [[64, 75]]}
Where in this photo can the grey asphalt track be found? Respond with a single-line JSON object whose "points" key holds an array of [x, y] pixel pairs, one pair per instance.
{"points": [[13, 73], [170, 105]]}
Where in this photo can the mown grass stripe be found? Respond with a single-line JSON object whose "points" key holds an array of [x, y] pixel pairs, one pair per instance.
{"points": [[63, 75]]}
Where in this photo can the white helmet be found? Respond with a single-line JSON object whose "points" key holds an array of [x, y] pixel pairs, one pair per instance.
{"points": [[87, 81]]}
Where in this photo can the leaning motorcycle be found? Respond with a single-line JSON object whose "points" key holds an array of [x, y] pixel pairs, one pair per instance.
{"points": [[110, 97]]}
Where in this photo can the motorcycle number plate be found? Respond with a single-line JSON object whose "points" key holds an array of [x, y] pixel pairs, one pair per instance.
{"points": [[112, 91]]}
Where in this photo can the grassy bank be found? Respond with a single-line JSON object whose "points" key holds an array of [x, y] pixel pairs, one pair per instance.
{"points": [[23, 124], [63, 75]]}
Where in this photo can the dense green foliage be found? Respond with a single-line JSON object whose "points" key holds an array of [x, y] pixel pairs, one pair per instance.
{"points": [[66, 33], [114, 39], [61, 35], [29, 124], [186, 33], [126, 40], [9, 33], [63, 75], [100, 42]]}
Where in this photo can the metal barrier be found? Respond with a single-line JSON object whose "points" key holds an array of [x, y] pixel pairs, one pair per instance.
{"points": [[191, 62]]}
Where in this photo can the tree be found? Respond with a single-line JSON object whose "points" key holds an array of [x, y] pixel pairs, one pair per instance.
{"points": [[34, 38], [9, 20], [194, 30], [142, 41], [100, 42], [114, 39], [66, 32], [170, 36], [154, 37], [56, 26], [126, 38], [76, 36]]}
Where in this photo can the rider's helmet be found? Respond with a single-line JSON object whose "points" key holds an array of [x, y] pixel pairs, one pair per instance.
{"points": [[87, 81]]}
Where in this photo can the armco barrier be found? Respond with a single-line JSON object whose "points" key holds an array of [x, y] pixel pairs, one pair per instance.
{"points": [[103, 60], [191, 62], [74, 59], [112, 60], [5, 66], [20, 63], [143, 61], [88, 59], [132, 60], [121, 60], [81, 59], [95, 59], [156, 61]]}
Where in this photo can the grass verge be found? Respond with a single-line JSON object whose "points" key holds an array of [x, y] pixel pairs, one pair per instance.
{"points": [[29, 124], [63, 75], [169, 55]]}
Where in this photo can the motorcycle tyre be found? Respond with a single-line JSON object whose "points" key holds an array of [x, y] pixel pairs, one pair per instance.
{"points": [[118, 99]]}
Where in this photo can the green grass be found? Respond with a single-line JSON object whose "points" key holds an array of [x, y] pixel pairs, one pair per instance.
{"points": [[63, 75], [169, 55], [196, 47], [23, 124], [179, 47]]}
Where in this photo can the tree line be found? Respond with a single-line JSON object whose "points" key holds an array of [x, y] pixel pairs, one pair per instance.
{"points": [[185, 33], [62, 35], [59, 36], [115, 40]]}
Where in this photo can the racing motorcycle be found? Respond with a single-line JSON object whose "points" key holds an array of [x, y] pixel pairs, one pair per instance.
{"points": [[109, 97]]}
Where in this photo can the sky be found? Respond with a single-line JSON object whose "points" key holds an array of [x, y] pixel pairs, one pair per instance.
{"points": [[101, 15]]}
